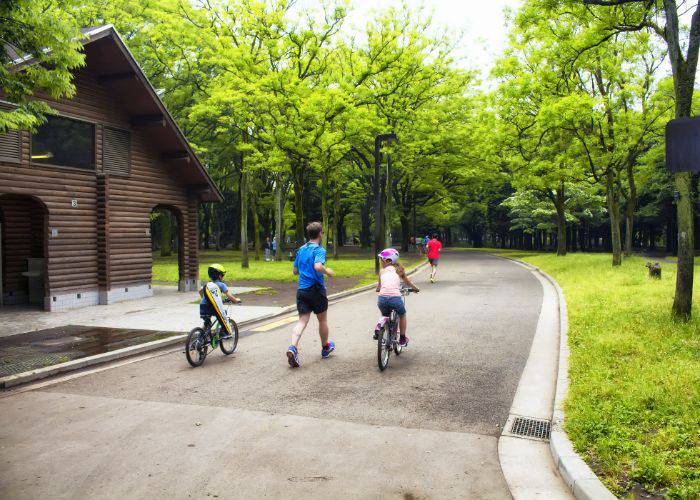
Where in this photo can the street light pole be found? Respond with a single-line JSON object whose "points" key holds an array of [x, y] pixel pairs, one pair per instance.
{"points": [[378, 194]]}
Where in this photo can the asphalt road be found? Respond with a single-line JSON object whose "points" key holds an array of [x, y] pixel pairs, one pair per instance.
{"points": [[249, 426]]}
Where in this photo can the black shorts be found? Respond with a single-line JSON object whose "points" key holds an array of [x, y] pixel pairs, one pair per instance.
{"points": [[312, 300]]}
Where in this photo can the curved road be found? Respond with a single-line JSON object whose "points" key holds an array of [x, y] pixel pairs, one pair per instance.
{"points": [[249, 426]]}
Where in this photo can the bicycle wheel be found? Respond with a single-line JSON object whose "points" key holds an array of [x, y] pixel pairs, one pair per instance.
{"points": [[196, 347], [228, 345], [384, 347], [395, 321]]}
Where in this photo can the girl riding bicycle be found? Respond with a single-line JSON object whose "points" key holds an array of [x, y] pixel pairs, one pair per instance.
{"points": [[389, 288]]}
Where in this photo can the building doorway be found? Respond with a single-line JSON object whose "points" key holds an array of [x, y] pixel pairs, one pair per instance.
{"points": [[167, 247], [23, 251]]}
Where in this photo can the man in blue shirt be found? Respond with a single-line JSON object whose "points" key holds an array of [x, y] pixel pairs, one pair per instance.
{"points": [[310, 266]]}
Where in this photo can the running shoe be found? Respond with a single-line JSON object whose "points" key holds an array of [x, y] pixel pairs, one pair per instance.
{"points": [[293, 356], [403, 341], [327, 350]]}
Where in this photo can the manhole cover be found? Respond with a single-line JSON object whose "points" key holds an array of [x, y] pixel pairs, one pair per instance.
{"points": [[530, 427]]}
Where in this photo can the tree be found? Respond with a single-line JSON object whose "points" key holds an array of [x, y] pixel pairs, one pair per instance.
{"points": [[640, 15], [44, 33]]}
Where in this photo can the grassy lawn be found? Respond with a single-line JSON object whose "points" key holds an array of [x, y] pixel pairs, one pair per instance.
{"points": [[633, 409], [349, 266]]}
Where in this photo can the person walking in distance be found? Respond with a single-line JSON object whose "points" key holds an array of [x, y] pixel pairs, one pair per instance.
{"points": [[433, 248], [268, 245], [310, 266]]}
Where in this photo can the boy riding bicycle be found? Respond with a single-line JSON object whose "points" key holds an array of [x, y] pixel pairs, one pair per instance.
{"points": [[211, 303], [391, 276]]}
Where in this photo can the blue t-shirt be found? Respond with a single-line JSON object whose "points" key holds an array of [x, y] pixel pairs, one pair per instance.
{"points": [[308, 255], [222, 286]]}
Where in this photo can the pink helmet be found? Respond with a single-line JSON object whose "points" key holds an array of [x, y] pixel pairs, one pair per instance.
{"points": [[389, 254]]}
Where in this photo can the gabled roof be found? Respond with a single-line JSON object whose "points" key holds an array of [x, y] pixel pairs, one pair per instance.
{"points": [[107, 56]]}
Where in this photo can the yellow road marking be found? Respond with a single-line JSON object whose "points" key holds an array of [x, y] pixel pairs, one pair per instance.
{"points": [[275, 324]]}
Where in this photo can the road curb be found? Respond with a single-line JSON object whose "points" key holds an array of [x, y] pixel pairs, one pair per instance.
{"points": [[574, 471], [77, 364]]}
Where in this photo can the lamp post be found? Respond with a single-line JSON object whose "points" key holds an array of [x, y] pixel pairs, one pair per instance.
{"points": [[378, 197]]}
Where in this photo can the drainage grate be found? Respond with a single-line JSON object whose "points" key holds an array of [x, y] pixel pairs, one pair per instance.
{"points": [[529, 427]]}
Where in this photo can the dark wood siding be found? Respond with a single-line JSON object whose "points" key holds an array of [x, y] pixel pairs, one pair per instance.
{"points": [[131, 201], [122, 245]]}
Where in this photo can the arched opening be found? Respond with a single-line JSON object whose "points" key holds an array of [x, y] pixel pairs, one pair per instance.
{"points": [[23, 251], [167, 246]]}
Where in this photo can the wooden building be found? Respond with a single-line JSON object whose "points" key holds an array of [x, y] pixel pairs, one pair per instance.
{"points": [[76, 197]]}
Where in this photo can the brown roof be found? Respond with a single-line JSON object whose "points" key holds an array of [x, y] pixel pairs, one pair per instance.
{"points": [[107, 56]]}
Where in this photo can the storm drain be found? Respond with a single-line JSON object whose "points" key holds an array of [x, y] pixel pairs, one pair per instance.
{"points": [[530, 427]]}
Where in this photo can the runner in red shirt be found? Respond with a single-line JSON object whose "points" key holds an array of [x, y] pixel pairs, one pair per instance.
{"points": [[433, 250]]}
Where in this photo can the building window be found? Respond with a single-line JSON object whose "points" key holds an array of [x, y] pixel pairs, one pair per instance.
{"points": [[10, 147], [64, 142], [10, 142], [116, 151]]}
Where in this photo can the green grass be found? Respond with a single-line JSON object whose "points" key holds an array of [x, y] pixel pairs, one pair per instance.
{"points": [[349, 266], [633, 408]]}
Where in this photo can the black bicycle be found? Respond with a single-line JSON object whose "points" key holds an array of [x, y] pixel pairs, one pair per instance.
{"points": [[388, 338], [214, 335]]}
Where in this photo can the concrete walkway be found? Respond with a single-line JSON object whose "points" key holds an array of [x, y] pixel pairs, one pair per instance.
{"points": [[247, 426], [166, 310]]}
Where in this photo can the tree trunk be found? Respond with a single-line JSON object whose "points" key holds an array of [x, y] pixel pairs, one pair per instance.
{"points": [[684, 70], [279, 216], [298, 181], [325, 223], [336, 221], [559, 204], [365, 222], [413, 225], [405, 232], [629, 211], [166, 234], [244, 220], [206, 225], [614, 213], [387, 203], [629, 236], [298, 212], [683, 300], [256, 225]]}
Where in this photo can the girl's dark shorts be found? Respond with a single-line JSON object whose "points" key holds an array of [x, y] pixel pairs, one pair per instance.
{"points": [[433, 262], [312, 300]]}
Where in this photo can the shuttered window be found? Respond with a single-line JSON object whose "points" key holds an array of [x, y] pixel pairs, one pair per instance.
{"points": [[10, 147], [116, 151], [10, 143]]}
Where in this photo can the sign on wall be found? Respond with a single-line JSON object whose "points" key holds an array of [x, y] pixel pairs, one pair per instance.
{"points": [[683, 145]]}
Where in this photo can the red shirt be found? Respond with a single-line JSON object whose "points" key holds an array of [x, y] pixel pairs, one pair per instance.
{"points": [[434, 247]]}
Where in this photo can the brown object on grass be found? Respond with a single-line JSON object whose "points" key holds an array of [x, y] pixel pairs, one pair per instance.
{"points": [[654, 270]]}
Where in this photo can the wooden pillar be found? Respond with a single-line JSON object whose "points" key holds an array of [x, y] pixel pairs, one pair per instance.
{"points": [[192, 243], [103, 244], [182, 217]]}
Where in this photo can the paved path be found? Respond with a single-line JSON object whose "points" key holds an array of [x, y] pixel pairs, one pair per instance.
{"points": [[248, 426], [166, 310]]}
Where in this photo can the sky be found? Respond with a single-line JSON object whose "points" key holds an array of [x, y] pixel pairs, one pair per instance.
{"points": [[481, 23]]}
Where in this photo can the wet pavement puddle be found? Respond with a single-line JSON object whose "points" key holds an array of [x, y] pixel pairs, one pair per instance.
{"points": [[38, 349]]}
